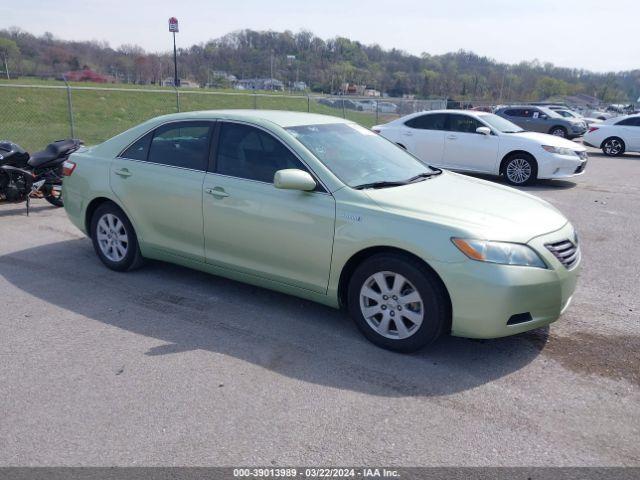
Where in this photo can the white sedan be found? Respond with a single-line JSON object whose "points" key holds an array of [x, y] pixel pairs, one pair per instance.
{"points": [[482, 142], [616, 135]]}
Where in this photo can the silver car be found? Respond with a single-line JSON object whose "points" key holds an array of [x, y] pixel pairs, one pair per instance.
{"points": [[543, 120]]}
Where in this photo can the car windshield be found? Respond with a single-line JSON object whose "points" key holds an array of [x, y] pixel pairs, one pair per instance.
{"points": [[359, 157], [501, 124]]}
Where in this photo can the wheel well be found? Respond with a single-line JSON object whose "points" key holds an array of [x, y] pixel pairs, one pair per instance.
{"points": [[508, 156], [361, 256], [613, 136], [91, 208], [557, 126]]}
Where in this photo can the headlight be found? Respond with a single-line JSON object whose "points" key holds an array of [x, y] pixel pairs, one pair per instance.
{"points": [[559, 150], [499, 252]]}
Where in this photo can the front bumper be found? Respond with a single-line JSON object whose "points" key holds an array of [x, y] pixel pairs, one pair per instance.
{"points": [[484, 296], [552, 165]]}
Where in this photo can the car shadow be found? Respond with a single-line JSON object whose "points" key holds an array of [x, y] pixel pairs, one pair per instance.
{"points": [[186, 310]]}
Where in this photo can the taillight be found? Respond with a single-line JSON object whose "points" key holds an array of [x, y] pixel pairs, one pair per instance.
{"points": [[592, 129], [67, 168]]}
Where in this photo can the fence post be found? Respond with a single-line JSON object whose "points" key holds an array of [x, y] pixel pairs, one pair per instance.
{"points": [[377, 110], [308, 103], [70, 108], [177, 99], [255, 100], [344, 112]]}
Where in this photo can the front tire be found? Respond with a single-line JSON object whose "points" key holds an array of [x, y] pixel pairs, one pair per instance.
{"points": [[520, 169], [397, 302], [114, 238], [613, 147]]}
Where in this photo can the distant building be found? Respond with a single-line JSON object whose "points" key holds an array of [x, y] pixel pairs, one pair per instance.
{"points": [[87, 75], [352, 89], [220, 78], [371, 92], [300, 86], [259, 84]]}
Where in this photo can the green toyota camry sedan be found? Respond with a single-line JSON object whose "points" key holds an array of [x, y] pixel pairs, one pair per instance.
{"points": [[321, 208]]}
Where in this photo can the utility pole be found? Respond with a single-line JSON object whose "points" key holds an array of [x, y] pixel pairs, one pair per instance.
{"points": [[173, 28], [271, 64]]}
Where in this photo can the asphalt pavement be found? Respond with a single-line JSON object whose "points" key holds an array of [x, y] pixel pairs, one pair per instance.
{"points": [[168, 366]]}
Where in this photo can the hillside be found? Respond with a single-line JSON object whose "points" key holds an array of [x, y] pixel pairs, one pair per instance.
{"points": [[322, 64]]}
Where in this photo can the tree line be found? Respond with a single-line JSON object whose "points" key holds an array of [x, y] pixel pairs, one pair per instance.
{"points": [[322, 64]]}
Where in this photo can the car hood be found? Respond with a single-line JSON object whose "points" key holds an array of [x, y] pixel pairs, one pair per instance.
{"points": [[551, 140], [472, 207]]}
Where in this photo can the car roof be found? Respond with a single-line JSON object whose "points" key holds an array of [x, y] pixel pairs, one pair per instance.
{"points": [[282, 118], [614, 120], [473, 113]]}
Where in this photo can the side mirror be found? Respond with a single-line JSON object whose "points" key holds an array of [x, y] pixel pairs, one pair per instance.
{"points": [[483, 130], [294, 179]]}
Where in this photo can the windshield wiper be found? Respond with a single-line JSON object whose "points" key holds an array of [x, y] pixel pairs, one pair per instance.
{"points": [[382, 184], [423, 175]]}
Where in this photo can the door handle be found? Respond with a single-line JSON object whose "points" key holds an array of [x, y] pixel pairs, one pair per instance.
{"points": [[216, 192], [123, 172], [452, 137]]}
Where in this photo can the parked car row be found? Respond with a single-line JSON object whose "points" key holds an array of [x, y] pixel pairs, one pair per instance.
{"points": [[322, 208], [360, 105], [481, 142]]}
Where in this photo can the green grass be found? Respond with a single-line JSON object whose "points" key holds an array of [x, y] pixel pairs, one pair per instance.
{"points": [[33, 116]]}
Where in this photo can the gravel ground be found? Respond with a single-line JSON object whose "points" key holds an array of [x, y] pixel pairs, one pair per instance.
{"points": [[167, 366]]}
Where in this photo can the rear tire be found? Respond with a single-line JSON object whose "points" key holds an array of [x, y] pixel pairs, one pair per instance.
{"points": [[397, 302], [520, 169], [613, 147], [558, 132], [114, 238]]}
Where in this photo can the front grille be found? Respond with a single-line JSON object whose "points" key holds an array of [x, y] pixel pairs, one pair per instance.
{"points": [[565, 251], [580, 168]]}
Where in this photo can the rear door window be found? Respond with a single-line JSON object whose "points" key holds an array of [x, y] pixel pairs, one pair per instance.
{"points": [[138, 150], [630, 122], [181, 144], [515, 112], [433, 121]]}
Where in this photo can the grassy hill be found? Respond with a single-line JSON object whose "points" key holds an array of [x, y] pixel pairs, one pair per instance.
{"points": [[37, 113]]}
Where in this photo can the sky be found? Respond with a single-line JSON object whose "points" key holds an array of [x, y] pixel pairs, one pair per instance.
{"points": [[598, 35]]}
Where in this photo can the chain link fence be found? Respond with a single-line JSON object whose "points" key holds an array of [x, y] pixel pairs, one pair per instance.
{"points": [[35, 115]]}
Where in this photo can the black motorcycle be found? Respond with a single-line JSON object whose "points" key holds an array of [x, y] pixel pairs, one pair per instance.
{"points": [[23, 176]]}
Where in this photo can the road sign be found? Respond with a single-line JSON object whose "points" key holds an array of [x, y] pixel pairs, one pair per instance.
{"points": [[173, 24]]}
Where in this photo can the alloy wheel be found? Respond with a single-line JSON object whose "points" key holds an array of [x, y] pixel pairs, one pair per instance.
{"points": [[558, 132], [391, 305], [612, 147], [518, 170], [112, 237]]}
